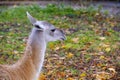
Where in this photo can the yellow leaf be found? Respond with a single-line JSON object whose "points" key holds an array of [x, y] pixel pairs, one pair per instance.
{"points": [[70, 79], [64, 46], [57, 48], [112, 24], [42, 77], [83, 75], [82, 79], [92, 26], [70, 55], [102, 57], [52, 46], [107, 49]]}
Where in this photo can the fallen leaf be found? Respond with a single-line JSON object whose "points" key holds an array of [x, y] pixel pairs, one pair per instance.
{"points": [[61, 74], [42, 77], [102, 38], [97, 14], [83, 75], [75, 40], [112, 69], [52, 46], [104, 45], [102, 76], [91, 26], [108, 49], [70, 79], [15, 52], [102, 57], [70, 55], [57, 48]]}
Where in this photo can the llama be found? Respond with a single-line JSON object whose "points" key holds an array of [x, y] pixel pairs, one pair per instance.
{"points": [[29, 66]]}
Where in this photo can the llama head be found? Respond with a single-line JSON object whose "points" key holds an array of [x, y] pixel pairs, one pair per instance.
{"points": [[50, 32]]}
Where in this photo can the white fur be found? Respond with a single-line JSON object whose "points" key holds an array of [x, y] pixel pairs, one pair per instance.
{"points": [[38, 40]]}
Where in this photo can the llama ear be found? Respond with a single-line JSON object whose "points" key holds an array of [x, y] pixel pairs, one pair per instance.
{"points": [[32, 20], [38, 27]]}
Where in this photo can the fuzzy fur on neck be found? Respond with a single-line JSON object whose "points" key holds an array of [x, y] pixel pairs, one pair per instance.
{"points": [[29, 66]]}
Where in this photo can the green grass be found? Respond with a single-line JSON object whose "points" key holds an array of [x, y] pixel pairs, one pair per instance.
{"points": [[84, 29]]}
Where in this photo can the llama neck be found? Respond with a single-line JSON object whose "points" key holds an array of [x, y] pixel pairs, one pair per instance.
{"points": [[34, 55], [29, 66], [38, 47]]}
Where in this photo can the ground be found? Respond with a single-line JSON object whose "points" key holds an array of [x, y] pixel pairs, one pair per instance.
{"points": [[91, 51]]}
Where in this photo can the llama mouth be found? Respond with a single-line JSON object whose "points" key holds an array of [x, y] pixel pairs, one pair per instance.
{"points": [[62, 39]]}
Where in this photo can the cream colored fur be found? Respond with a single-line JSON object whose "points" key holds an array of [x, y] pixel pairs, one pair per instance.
{"points": [[28, 67]]}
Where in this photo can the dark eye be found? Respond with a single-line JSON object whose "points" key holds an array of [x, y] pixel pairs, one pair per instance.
{"points": [[53, 30], [37, 26]]}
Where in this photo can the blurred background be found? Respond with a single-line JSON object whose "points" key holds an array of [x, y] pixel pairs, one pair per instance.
{"points": [[111, 5], [92, 48]]}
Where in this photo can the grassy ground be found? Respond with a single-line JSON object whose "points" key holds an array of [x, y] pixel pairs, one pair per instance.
{"points": [[91, 51]]}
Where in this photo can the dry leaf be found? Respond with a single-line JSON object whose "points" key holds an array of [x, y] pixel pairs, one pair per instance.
{"points": [[91, 26], [57, 48], [108, 49], [75, 40], [70, 79], [69, 55], [42, 77], [104, 45], [61, 74], [112, 69], [97, 14], [102, 57], [83, 75], [102, 38], [63, 46], [102, 76], [15, 52], [52, 46]]}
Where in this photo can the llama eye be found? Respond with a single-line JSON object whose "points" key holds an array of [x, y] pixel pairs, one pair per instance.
{"points": [[37, 26], [53, 30]]}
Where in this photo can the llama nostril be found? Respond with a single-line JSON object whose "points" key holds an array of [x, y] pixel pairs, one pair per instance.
{"points": [[63, 38]]}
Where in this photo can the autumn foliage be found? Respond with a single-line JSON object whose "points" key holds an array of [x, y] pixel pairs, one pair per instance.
{"points": [[91, 51]]}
